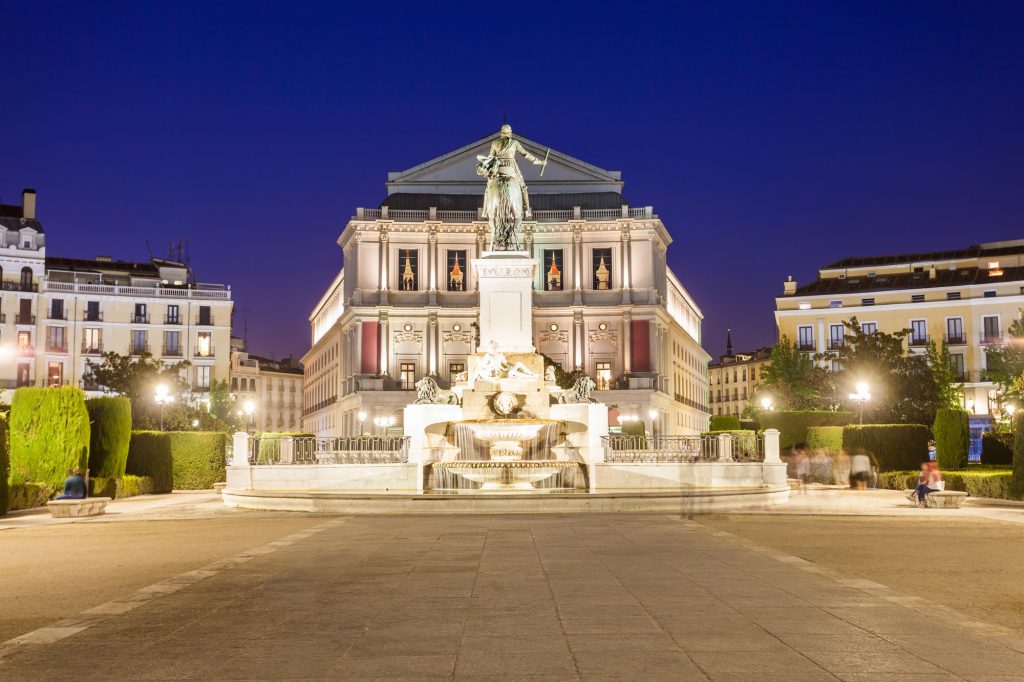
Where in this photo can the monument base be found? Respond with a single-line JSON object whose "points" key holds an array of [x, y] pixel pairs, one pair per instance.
{"points": [[505, 279]]}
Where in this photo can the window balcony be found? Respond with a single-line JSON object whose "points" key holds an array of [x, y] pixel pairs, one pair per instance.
{"points": [[171, 351], [26, 350], [92, 349], [51, 348], [139, 349], [54, 315], [918, 341], [92, 317], [836, 344], [172, 319], [204, 321], [954, 339], [140, 319], [990, 338], [25, 319], [18, 286], [807, 347]]}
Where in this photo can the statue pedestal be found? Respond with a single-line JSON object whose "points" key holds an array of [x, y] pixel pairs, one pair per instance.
{"points": [[506, 300]]}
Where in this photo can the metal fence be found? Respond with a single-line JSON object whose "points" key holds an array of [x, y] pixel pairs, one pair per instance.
{"points": [[621, 449], [313, 450]]}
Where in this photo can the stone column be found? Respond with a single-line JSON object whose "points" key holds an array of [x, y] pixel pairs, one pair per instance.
{"points": [[725, 447], [771, 447], [240, 448], [627, 342]]}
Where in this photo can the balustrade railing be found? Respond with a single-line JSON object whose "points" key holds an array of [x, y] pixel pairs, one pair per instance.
{"points": [[553, 216], [623, 449], [318, 450]]}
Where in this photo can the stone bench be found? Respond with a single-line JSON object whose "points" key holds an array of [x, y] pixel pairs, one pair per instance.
{"points": [[942, 499], [66, 509]]}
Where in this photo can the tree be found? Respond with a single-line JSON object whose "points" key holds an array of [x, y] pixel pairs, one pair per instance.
{"points": [[222, 406], [952, 437], [796, 382], [903, 384], [1006, 364], [949, 392], [136, 378]]}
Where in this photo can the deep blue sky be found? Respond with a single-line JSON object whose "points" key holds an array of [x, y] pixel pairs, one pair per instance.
{"points": [[770, 138]]}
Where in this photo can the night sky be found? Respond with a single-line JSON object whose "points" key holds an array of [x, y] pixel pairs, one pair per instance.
{"points": [[770, 139]]}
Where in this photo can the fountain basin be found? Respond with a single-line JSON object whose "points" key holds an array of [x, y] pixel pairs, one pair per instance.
{"points": [[506, 475], [505, 437]]}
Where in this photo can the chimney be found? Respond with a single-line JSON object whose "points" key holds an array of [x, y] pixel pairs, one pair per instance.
{"points": [[789, 286], [28, 204]]}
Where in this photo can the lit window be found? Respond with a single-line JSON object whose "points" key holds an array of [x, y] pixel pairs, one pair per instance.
{"points": [[553, 269], [602, 269], [407, 376], [204, 344], [456, 270], [604, 375], [408, 261]]}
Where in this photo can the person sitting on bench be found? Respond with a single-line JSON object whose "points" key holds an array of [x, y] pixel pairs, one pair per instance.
{"points": [[930, 481], [74, 486]]}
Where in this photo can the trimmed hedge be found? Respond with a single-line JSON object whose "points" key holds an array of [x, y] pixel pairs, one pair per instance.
{"points": [[895, 447], [829, 438], [117, 488], [992, 483], [49, 432], [1018, 456], [110, 434], [724, 422], [5, 466], [952, 438], [178, 460], [793, 424], [997, 448], [744, 442], [30, 495]]}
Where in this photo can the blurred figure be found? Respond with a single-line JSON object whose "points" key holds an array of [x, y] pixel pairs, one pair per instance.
{"points": [[821, 467], [802, 465], [930, 481], [74, 486], [841, 468], [931, 450], [860, 470]]}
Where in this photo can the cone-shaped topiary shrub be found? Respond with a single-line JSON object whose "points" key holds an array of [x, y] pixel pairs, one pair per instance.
{"points": [[110, 434], [952, 438], [49, 432]]}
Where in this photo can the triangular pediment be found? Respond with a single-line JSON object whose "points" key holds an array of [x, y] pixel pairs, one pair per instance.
{"points": [[455, 173]]}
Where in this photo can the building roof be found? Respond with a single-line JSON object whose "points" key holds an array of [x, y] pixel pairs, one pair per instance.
{"points": [[756, 355], [944, 277], [13, 218], [147, 269], [471, 202], [991, 249]]}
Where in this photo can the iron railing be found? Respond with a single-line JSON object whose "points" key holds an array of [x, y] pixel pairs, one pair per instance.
{"points": [[740, 447], [316, 450]]}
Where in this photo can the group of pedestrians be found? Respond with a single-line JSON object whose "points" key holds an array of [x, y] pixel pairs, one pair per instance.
{"points": [[858, 471]]}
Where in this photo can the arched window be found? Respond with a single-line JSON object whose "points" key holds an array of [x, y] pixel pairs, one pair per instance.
{"points": [[26, 279]]}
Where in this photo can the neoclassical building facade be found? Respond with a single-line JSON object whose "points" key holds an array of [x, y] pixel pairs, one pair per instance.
{"points": [[405, 305]]}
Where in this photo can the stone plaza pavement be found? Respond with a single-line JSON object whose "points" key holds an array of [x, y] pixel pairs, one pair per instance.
{"points": [[624, 597]]}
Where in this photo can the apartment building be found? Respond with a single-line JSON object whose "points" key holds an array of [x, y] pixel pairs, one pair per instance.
{"points": [[734, 380], [273, 386]]}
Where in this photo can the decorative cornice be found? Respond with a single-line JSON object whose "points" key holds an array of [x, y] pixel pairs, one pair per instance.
{"points": [[554, 337], [505, 271], [408, 336], [458, 337], [609, 336]]}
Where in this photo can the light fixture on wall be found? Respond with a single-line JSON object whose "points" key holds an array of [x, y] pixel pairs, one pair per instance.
{"points": [[553, 327], [407, 327], [602, 326], [456, 327]]}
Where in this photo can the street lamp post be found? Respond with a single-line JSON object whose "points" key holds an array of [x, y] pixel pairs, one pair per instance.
{"points": [[766, 403], [362, 418], [163, 397], [250, 409], [861, 396], [653, 414]]}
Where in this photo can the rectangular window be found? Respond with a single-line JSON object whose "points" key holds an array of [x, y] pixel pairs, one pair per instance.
{"points": [[955, 330], [24, 374], [205, 316], [57, 309], [55, 339], [91, 341], [836, 336], [990, 293], [869, 328], [805, 338], [408, 262], [407, 375], [602, 269], [24, 342], [140, 316], [953, 296], [172, 315], [956, 363], [553, 269], [204, 344], [456, 271], [92, 311], [917, 298], [203, 376], [454, 370], [990, 329], [918, 332], [139, 344], [867, 301], [172, 343], [835, 304], [25, 315], [54, 374], [604, 376]]}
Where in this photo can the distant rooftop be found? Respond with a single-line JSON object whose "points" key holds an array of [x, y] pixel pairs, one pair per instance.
{"points": [[944, 277], [1007, 248]]}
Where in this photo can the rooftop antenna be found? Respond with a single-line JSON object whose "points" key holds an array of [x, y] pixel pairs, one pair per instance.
{"points": [[149, 250], [245, 328]]}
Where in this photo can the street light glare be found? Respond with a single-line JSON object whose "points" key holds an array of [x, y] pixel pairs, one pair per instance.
{"points": [[250, 407], [161, 391], [862, 387]]}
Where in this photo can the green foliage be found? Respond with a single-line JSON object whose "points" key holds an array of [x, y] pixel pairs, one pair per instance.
{"points": [[29, 495], [117, 488], [1005, 364], [637, 431], [793, 425], [149, 455], [997, 448], [5, 465], [1018, 456], [949, 392], [110, 432], [195, 458], [750, 425], [894, 447], [562, 378], [49, 434], [952, 438], [902, 384], [136, 378], [724, 422], [991, 483], [829, 438], [796, 382], [744, 443], [221, 406], [270, 445]]}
